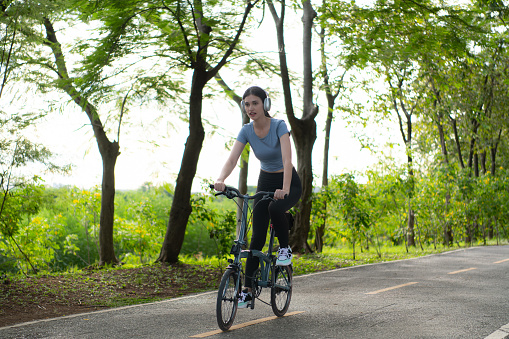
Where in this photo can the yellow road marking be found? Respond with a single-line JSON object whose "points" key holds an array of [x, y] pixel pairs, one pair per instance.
{"points": [[501, 261], [393, 288], [465, 270], [249, 323]]}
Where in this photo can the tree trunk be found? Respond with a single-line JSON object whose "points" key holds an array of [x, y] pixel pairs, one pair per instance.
{"points": [[244, 161], [181, 207], [457, 141], [304, 129], [243, 177], [483, 162], [320, 230], [410, 227], [472, 151], [476, 165], [304, 137], [331, 98], [109, 153], [447, 229], [493, 154], [441, 134], [405, 128]]}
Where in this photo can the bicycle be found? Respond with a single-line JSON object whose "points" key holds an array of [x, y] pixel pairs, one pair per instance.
{"points": [[268, 275]]}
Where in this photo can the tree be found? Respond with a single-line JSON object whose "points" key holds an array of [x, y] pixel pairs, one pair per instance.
{"points": [[399, 39], [245, 155], [199, 50], [109, 150], [353, 206], [20, 188], [304, 128], [9, 24], [86, 86], [198, 60], [332, 88]]}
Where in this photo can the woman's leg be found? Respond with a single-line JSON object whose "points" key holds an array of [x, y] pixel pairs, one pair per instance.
{"points": [[259, 230], [266, 210], [278, 208]]}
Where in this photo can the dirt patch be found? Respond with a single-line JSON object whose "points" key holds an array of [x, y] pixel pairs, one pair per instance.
{"points": [[41, 297]]}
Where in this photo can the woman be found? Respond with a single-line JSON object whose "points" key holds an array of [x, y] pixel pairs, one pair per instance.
{"points": [[269, 139]]}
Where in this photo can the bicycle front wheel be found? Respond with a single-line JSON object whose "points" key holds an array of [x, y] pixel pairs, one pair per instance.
{"points": [[227, 301], [281, 291]]}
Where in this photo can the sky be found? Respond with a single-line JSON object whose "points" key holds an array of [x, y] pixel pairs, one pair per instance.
{"points": [[70, 137], [151, 150]]}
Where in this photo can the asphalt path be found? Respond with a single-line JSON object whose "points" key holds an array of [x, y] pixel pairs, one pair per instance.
{"points": [[458, 294]]}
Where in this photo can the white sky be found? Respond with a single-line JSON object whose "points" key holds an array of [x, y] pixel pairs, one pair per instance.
{"points": [[69, 135]]}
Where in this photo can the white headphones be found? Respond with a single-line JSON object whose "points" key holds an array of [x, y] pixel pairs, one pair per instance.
{"points": [[266, 103]]}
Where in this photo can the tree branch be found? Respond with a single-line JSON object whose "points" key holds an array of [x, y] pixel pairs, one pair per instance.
{"points": [[227, 54]]}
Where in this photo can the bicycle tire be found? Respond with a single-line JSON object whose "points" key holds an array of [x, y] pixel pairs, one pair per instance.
{"points": [[281, 291], [227, 299]]}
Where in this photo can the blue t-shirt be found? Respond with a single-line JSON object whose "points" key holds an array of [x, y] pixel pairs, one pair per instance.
{"points": [[267, 149]]}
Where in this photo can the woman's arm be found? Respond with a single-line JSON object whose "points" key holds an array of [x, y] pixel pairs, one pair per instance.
{"points": [[286, 153], [229, 165]]}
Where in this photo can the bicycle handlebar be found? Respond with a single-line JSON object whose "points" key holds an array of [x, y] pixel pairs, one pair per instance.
{"points": [[232, 192]]}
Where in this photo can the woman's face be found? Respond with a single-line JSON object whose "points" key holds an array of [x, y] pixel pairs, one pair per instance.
{"points": [[254, 107]]}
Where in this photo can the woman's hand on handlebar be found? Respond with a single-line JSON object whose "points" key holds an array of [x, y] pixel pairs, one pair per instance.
{"points": [[280, 194], [219, 186]]}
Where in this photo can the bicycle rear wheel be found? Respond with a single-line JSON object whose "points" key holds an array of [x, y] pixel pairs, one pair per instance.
{"points": [[281, 291], [227, 300]]}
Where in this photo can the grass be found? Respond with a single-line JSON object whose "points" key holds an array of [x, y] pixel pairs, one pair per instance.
{"points": [[332, 258], [50, 295]]}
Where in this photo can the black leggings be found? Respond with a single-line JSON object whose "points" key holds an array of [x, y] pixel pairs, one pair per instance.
{"points": [[270, 182]]}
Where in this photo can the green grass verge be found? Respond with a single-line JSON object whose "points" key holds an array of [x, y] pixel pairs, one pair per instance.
{"points": [[337, 257]]}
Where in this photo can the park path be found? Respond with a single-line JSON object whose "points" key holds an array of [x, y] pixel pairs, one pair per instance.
{"points": [[458, 294]]}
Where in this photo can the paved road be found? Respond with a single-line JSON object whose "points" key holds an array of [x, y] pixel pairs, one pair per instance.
{"points": [[459, 294]]}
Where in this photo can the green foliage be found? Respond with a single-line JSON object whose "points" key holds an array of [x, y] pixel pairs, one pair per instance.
{"points": [[19, 204], [17, 207], [352, 204], [220, 225], [451, 207], [140, 219], [20, 190], [58, 227]]}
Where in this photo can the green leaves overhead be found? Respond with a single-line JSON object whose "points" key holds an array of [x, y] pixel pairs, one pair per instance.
{"points": [[151, 44], [175, 30], [396, 31]]}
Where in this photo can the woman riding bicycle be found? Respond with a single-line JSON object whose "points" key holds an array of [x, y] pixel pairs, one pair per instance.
{"points": [[269, 139]]}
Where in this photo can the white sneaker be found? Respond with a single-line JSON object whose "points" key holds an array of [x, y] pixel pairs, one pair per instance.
{"points": [[284, 256], [244, 299]]}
